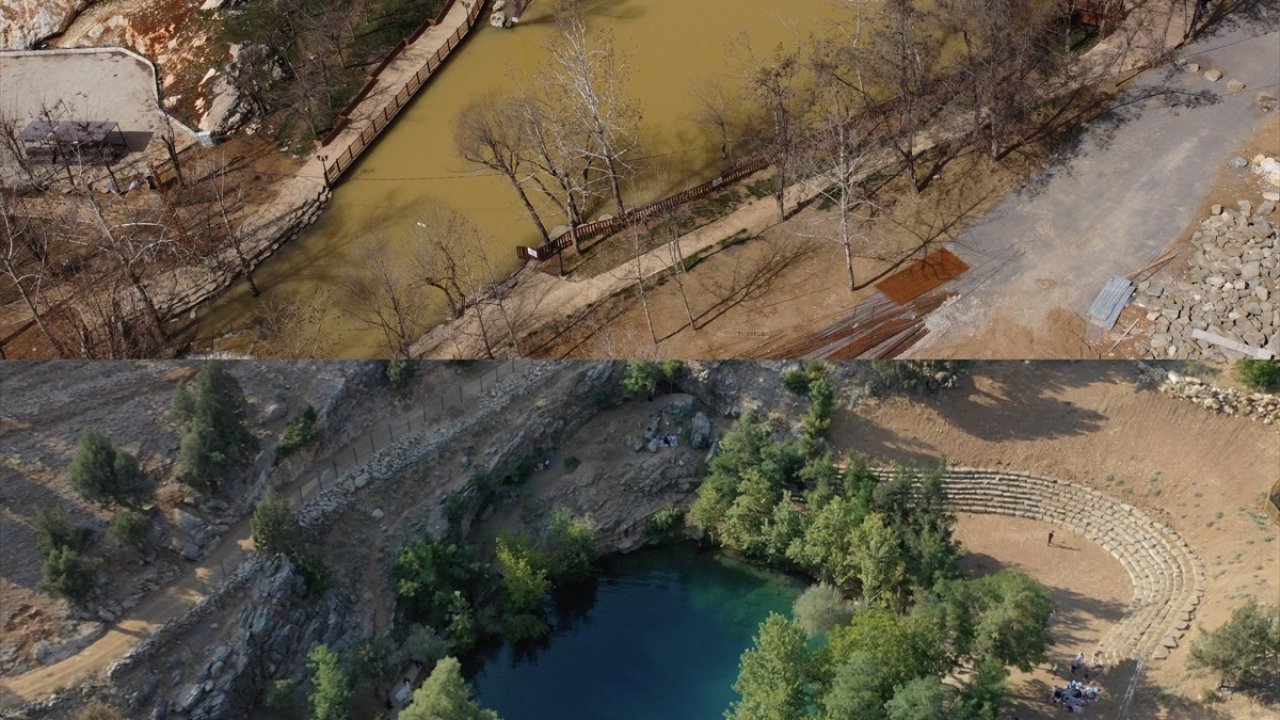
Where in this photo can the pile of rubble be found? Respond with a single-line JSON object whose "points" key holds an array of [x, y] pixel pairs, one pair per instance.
{"points": [[1230, 288], [1258, 406]]}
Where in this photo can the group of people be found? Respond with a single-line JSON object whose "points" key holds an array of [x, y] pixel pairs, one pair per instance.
{"points": [[1076, 695]]}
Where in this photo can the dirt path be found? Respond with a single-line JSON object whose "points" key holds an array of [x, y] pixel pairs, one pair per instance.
{"points": [[206, 575], [1109, 205]]}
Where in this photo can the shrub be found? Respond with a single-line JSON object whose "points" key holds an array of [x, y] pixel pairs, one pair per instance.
{"points": [[642, 376], [400, 372], [663, 523], [129, 529], [102, 473], [797, 381], [299, 433], [274, 527], [455, 507], [1259, 374], [1245, 650], [571, 546], [820, 608], [69, 574], [330, 697], [54, 531], [314, 573], [99, 711], [423, 645], [571, 463], [427, 575], [909, 375], [281, 695]]}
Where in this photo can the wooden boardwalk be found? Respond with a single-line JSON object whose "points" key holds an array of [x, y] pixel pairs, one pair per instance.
{"points": [[392, 84]]}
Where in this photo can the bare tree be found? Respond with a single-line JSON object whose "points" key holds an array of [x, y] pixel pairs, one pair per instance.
{"points": [[385, 296], [1005, 49], [904, 53], [229, 198], [445, 242], [776, 83], [717, 110], [25, 262], [671, 226], [487, 133], [843, 134], [590, 76], [560, 173], [11, 145], [290, 327], [638, 252]]}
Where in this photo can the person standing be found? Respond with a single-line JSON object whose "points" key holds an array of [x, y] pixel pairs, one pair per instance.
{"points": [[1050, 537]]}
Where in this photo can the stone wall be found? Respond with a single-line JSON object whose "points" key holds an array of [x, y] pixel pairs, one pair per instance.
{"points": [[1264, 407]]}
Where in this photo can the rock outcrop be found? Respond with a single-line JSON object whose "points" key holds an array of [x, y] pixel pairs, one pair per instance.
{"points": [[25, 23]]}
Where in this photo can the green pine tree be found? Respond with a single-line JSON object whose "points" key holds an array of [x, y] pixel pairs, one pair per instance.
{"points": [[445, 696]]}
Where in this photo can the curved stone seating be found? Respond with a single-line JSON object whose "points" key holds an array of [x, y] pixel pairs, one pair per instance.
{"points": [[1165, 571]]}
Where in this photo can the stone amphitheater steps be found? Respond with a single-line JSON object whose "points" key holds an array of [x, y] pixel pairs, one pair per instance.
{"points": [[1165, 572]]}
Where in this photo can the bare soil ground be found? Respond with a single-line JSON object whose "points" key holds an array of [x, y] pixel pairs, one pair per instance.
{"points": [[1204, 474], [791, 280]]}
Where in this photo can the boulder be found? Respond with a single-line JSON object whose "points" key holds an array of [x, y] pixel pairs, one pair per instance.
{"points": [[700, 431], [1213, 75], [1235, 85], [680, 407], [24, 23], [191, 551], [274, 412]]}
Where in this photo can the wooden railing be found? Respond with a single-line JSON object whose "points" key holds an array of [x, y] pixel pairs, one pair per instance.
{"points": [[335, 167], [609, 226]]}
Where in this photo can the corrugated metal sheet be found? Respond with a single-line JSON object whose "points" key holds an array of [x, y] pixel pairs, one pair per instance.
{"points": [[1107, 306]]}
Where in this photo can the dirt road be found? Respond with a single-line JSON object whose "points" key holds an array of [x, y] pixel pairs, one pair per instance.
{"points": [[1110, 203]]}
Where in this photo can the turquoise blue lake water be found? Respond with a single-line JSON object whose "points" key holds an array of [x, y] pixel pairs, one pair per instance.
{"points": [[657, 637]]}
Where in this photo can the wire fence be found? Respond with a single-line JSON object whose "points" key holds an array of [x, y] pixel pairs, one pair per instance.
{"points": [[307, 477]]}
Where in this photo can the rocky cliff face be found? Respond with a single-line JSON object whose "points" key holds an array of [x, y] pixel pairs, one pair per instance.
{"points": [[23, 23]]}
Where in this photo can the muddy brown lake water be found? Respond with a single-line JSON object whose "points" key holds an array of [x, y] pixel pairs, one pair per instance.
{"points": [[673, 47]]}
